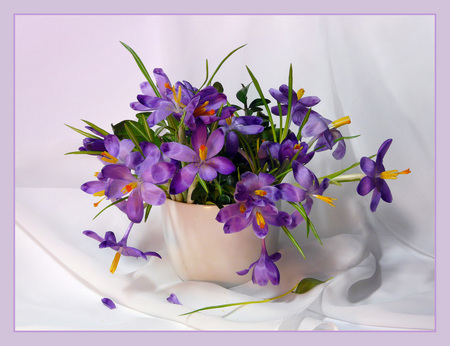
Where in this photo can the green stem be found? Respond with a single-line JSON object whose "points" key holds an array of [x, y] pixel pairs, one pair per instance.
{"points": [[291, 237], [243, 303]]}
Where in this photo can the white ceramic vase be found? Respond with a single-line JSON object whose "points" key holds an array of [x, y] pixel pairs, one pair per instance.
{"points": [[199, 250]]}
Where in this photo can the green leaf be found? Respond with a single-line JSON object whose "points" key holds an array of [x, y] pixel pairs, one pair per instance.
{"points": [[261, 95], [147, 211], [84, 153], [143, 69], [291, 237], [221, 63], [202, 183], [133, 138], [95, 127], [81, 132], [118, 201], [308, 284], [256, 103], [218, 86], [241, 95]]}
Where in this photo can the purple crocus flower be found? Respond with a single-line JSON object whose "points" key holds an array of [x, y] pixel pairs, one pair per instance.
{"points": [[256, 189], [327, 139], [93, 144], [264, 269], [205, 106], [172, 101], [142, 188], [179, 99], [117, 151], [202, 158], [299, 109], [288, 148], [247, 125], [375, 177], [121, 248], [310, 187]]}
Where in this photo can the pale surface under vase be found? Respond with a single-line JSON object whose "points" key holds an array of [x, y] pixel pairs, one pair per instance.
{"points": [[199, 250]]}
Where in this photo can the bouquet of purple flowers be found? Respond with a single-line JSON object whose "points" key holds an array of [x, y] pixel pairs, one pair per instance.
{"points": [[191, 145]]}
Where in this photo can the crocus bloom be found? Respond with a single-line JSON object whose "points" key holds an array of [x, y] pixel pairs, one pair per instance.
{"points": [[264, 269], [299, 109], [179, 99], [142, 188], [173, 299], [240, 215], [247, 125], [310, 187], [117, 150], [375, 177], [288, 148], [327, 139], [202, 158], [120, 247], [256, 189], [108, 303]]}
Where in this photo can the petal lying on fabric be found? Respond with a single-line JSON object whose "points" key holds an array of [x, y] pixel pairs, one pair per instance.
{"points": [[108, 303]]}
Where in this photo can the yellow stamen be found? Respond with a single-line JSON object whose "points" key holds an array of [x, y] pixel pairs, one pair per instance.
{"points": [[96, 174], [242, 208], [129, 187], [328, 200], [340, 122], [261, 193], [260, 220], [99, 193], [298, 147], [97, 203], [201, 110], [228, 120], [393, 174], [300, 93], [202, 152], [115, 262], [107, 157]]}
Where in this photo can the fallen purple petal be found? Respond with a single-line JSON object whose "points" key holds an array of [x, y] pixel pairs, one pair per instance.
{"points": [[108, 303]]}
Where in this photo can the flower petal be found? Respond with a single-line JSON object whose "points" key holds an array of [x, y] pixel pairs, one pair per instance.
{"points": [[236, 224], [207, 172], [179, 152], [108, 303], [215, 143], [365, 186], [173, 299], [135, 206], [152, 194], [183, 179], [221, 165]]}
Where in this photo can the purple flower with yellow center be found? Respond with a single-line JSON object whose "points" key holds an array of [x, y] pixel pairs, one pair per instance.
{"points": [[256, 189], [121, 248], [264, 269], [330, 136], [286, 150], [247, 125], [309, 187], [202, 158], [141, 188], [172, 101], [376, 176], [205, 106], [299, 108], [117, 151], [179, 99]]}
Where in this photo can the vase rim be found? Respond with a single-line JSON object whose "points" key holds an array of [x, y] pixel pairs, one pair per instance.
{"points": [[193, 204]]}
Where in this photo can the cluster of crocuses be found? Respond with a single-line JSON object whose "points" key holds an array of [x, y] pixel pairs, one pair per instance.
{"points": [[192, 146]]}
